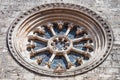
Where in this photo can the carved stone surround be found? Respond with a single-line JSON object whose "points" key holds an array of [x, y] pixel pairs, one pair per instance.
{"points": [[59, 39]]}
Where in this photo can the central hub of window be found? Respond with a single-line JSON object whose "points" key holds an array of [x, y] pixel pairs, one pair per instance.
{"points": [[60, 44]]}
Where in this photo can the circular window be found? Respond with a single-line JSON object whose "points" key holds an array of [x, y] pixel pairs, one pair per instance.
{"points": [[59, 39]]}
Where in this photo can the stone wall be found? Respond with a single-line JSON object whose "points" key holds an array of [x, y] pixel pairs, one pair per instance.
{"points": [[108, 70]]}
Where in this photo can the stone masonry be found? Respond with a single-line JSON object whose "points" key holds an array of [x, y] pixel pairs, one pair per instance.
{"points": [[108, 70]]}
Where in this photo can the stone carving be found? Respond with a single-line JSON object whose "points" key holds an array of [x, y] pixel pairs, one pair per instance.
{"points": [[59, 39]]}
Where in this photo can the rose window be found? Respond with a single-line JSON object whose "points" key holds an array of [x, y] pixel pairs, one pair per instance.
{"points": [[71, 44], [59, 39]]}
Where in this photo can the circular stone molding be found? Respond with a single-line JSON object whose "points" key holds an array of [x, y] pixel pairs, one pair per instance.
{"points": [[59, 39]]}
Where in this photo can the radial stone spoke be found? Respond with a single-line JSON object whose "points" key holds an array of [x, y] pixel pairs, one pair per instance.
{"points": [[68, 61], [52, 57], [66, 57], [84, 53], [78, 39], [35, 37], [86, 37], [52, 30], [67, 32], [50, 60], [70, 26], [34, 53], [50, 27], [42, 49], [77, 50]]}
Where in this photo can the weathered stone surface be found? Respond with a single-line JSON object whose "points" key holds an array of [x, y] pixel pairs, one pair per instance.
{"points": [[108, 9]]}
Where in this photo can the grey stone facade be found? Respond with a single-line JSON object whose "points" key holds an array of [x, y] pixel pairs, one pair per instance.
{"points": [[108, 70]]}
